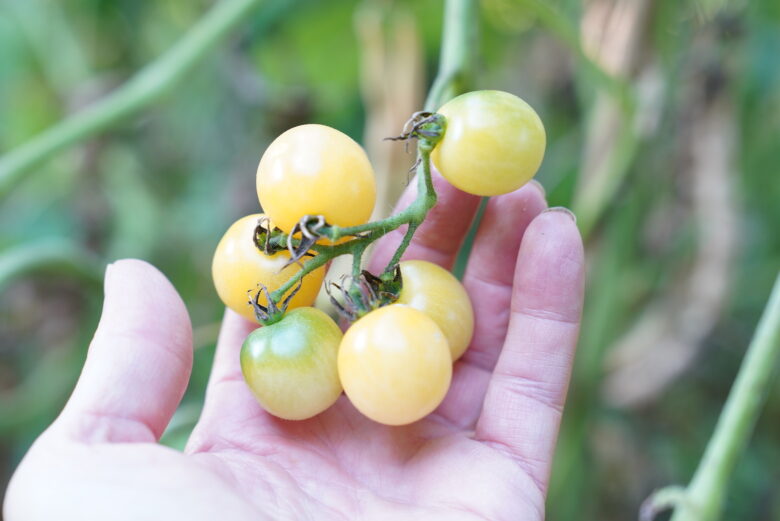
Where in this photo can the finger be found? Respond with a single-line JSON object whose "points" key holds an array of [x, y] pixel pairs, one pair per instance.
{"points": [[488, 280], [439, 237], [229, 402], [525, 397], [491, 269], [138, 363]]}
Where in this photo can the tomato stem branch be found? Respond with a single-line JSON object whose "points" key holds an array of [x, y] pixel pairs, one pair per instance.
{"points": [[388, 272], [357, 260], [367, 233], [703, 498]]}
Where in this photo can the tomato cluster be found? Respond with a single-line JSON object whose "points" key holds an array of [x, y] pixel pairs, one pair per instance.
{"points": [[395, 361]]}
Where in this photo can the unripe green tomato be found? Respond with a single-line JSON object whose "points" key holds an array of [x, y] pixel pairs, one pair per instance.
{"points": [[291, 365], [494, 143], [440, 295]]}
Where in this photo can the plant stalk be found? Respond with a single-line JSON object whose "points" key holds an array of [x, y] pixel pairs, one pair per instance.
{"points": [[145, 87], [456, 59], [703, 500]]}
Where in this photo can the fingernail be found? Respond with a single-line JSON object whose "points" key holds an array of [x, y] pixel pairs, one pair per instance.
{"points": [[563, 210], [539, 187]]}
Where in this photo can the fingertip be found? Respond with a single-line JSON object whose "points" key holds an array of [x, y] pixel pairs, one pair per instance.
{"points": [[559, 226], [498, 239], [227, 364], [138, 295], [550, 270], [228, 398], [139, 361], [235, 328], [564, 211], [522, 205], [539, 187]]}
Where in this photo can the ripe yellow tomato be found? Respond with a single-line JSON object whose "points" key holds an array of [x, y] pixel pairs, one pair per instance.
{"points": [[291, 367], [395, 365], [437, 293], [238, 267], [494, 143], [316, 170]]}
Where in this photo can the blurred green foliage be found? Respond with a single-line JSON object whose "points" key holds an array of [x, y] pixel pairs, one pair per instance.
{"points": [[166, 184]]}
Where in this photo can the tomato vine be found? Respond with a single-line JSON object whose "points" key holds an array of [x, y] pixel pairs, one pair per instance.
{"points": [[428, 129]]}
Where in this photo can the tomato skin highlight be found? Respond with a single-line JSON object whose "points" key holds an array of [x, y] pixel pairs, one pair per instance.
{"points": [[316, 170], [494, 143], [291, 365], [395, 365], [238, 266], [439, 294]]}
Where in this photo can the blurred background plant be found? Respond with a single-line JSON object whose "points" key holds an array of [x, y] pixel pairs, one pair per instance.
{"points": [[663, 123]]}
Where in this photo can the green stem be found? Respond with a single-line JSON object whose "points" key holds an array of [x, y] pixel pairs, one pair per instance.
{"points": [[144, 88], [50, 256], [401, 249], [413, 216], [357, 260], [704, 496], [325, 254], [458, 44]]}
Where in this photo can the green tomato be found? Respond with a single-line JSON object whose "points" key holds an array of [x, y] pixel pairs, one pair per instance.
{"points": [[493, 145], [291, 365]]}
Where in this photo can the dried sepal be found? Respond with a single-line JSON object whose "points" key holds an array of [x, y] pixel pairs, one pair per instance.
{"points": [[263, 234], [426, 126], [272, 311], [359, 295], [345, 309], [308, 227], [262, 313]]}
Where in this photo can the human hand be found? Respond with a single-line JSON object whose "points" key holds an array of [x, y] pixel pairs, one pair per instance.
{"points": [[485, 453]]}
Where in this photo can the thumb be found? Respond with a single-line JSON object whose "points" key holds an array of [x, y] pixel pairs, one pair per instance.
{"points": [[138, 363]]}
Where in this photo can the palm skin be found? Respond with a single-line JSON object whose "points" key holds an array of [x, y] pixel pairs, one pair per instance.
{"points": [[484, 454]]}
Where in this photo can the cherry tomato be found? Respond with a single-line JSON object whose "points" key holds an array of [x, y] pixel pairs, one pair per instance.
{"points": [[238, 267], [494, 143], [395, 364], [290, 365], [316, 170], [436, 292]]}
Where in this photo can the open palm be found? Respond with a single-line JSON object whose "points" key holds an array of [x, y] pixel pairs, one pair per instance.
{"points": [[484, 454]]}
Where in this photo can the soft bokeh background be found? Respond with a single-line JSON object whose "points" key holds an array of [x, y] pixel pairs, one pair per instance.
{"points": [[663, 123]]}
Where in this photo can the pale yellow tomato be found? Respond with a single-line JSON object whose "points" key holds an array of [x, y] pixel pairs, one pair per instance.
{"points": [[316, 170], [437, 293], [291, 367], [238, 267], [395, 364], [494, 143]]}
